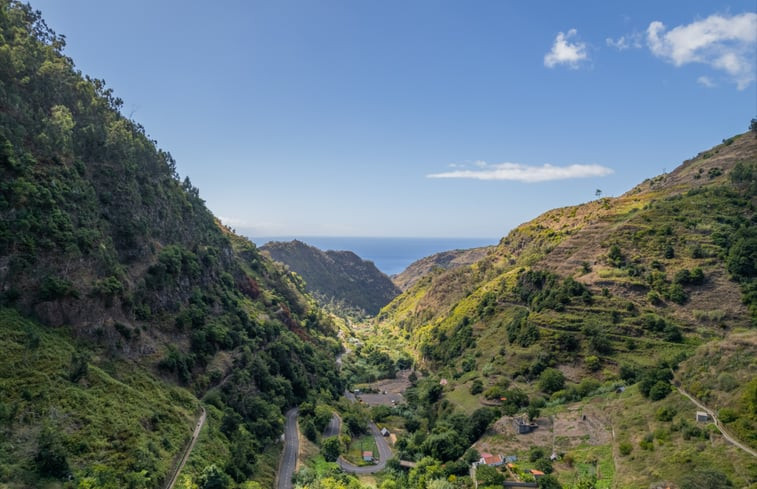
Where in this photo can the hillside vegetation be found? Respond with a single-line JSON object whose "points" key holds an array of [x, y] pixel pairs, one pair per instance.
{"points": [[124, 300], [446, 260], [653, 287], [337, 279]]}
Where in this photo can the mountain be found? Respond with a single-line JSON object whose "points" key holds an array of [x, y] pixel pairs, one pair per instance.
{"points": [[124, 305], [446, 260], [339, 278], [606, 308]]}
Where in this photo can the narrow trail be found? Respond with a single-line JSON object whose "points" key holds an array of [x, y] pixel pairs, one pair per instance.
{"points": [[188, 450], [717, 422]]}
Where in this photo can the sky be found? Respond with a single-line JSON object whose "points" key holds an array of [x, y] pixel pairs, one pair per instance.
{"points": [[423, 118]]}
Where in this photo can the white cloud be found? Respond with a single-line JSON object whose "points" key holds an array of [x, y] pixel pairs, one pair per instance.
{"points": [[625, 42], [706, 82], [565, 52], [525, 173], [724, 43]]}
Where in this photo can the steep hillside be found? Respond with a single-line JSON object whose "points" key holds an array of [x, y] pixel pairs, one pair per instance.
{"points": [[337, 278], [615, 292], [446, 260], [139, 302]]}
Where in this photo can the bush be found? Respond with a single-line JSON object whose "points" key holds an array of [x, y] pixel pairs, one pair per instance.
{"points": [[592, 363], [727, 415], [659, 391], [551, 380], [665, 413], [477, 387], [625, 448]]}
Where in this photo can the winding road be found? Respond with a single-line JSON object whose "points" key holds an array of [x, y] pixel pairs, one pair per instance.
{"points": [[187, 450], [291, 447], [385, 453]]}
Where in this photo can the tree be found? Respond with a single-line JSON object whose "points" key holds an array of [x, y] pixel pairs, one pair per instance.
{"points": [[489, 476], [551, 380], [214, 478], [479, 421], [753, 126], [598, 193], [330, 448], [549, 481], [51, 456]]}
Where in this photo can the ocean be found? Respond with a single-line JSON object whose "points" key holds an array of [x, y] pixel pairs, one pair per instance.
{"points": [[390, 255]]}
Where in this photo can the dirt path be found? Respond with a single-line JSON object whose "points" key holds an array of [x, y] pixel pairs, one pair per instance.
{"points": [[187, 450], [718, 425]]}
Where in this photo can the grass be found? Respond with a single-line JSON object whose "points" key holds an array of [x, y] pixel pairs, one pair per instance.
{"points": [[116, 421], [356, 447]]}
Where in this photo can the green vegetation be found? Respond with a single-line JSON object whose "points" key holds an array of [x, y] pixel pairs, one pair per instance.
{"points": [[340, 280], [100, 237]]}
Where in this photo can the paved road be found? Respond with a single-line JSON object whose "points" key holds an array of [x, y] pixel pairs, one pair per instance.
{"points": [[334, 426], [188, 450], [385, 453], [718, 425], [291, 447]]}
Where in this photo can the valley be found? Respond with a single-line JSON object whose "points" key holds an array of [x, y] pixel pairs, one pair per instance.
{"points": [[144, 344]]}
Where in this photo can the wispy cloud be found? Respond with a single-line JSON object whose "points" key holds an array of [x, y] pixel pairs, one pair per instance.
{"points": [[625, 42], [525, 173], [565, 52], [705, 81], [725, 43]]}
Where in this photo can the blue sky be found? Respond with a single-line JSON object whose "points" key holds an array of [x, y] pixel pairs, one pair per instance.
{"points": [[418, 118]]}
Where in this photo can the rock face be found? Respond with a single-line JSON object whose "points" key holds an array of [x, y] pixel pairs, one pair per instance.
{"points": [[340, 278]]}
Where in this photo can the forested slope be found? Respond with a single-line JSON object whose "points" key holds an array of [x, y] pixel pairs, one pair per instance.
{"points": [[130, 286], [340, 279]]}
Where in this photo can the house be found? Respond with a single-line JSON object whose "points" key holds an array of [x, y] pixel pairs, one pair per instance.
{"points": [[538, 474], [702, 417], [384, 432], [491, 460], [367, 456]]}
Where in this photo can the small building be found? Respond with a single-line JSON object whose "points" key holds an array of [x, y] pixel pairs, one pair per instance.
{"points": [[384, 432], [702, 417], [367, 456], [443, 382], [522, 426], [538, 474], [511, 459], [491, 460]]}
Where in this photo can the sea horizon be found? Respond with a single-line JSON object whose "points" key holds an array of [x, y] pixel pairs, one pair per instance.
{"points": [[390, 254]]}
